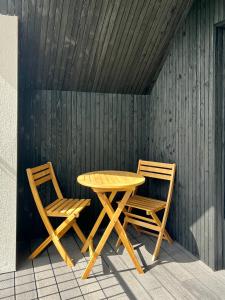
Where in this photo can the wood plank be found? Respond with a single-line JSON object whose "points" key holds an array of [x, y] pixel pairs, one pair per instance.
{"points": [[70, 39], [156, 170], [140, 24], [39, 168], [155, 175], [64, 9], [41, 174]]}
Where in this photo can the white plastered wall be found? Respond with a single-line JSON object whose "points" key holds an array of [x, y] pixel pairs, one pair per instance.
{"points": [[8, 140]]}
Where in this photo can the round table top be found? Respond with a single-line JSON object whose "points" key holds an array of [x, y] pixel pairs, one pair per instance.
{"points": [[110, 179]]}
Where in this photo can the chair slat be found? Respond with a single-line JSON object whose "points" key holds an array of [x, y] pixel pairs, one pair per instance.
{"points": [[41, 174], [156, 170], [39, 168], [42, 180], [58, 206], [142, 224], [156, 164], [70, 203], [52, 204], [73, 209], [139, 217], [68, 207], [81, 206], [155, 175], [149, 203]]}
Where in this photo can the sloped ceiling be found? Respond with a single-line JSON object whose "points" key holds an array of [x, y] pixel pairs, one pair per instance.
{"points": [[94, 45]]}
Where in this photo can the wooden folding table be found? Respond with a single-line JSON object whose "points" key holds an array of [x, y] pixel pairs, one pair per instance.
{"points": [[103, 183]]}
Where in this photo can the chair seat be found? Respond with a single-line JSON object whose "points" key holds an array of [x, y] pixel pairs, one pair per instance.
{"points": [[145, 203], [66, 207]]}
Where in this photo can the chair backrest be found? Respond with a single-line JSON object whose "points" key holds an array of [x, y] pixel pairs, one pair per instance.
{"points": [[36, 177], [158, 170], [40, 175]]}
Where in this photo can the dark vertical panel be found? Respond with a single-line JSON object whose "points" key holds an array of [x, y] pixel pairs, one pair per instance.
{"points": [[78, 132], [74, 140], [62, 25], [93, 45], [79, 141], [110, 130], [42, 41], [184, 114], [219, 141]]}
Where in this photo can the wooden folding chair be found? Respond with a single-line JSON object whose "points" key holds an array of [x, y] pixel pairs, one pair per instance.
{"points": [[161, 171], [61, 207]]}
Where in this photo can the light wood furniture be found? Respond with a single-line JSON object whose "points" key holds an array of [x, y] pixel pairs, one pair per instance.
{"points": [[161, 171], [103, 182], [66, 208]]}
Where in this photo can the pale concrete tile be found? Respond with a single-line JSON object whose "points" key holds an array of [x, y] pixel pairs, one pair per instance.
{"points": [[74, 293], [6, 276], [51, 297], [4, 284], [86, 282], [25, 287], [25, 266], [64, 277], [45, 282], [58, 264], [97, 295], [42, 263], [62, 270], [47, 290], [25, 269], [7, 292], [44, 275], [56, 259], [10, 298], [27, 296], [120, 297], [90, 287], [67, 285], [24, 279]]}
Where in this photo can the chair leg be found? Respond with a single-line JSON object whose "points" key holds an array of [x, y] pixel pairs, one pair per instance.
{"points": [[59, 232], [159, 223], [162, 232], [65, 256], [40, 248], [158, 245]]}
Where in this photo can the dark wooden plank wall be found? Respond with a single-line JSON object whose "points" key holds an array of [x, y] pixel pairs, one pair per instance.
{"points": [[78, 132], [181, 124], [219, 141], [93, 45]]}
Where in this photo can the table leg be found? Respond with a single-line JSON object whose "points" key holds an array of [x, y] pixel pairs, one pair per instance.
{"points": [[114, 222], [120, 230], [96, 226]]}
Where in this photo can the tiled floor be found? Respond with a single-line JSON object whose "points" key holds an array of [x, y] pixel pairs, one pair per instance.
{"points": [[177, 275]]}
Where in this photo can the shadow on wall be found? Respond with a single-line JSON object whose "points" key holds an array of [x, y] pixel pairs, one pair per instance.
{"points": [[7, 169]]}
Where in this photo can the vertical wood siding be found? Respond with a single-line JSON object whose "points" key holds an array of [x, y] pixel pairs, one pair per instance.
{"points": [[94, 45], [181, 126], [78, 132]]}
